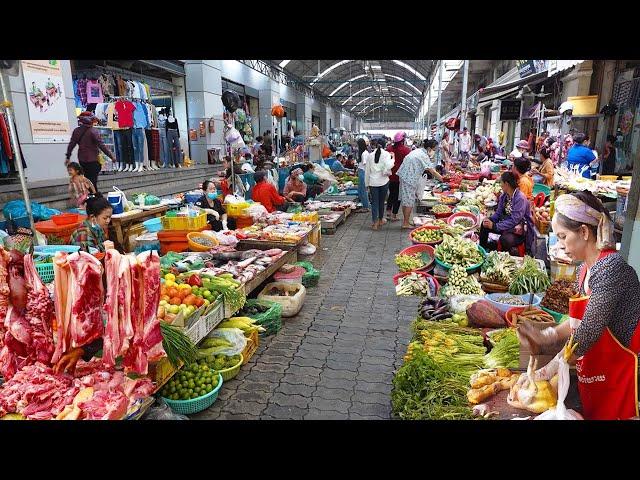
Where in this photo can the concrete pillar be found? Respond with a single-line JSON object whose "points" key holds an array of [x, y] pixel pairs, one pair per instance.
{"points": [[578, 81], [268, 97], [606, 91], [303, 113], [45, 161], [479, 121], [203, 84], [325, 115]]}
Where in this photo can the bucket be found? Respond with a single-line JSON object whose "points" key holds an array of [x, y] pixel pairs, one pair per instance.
{"points": [[115, 199]]}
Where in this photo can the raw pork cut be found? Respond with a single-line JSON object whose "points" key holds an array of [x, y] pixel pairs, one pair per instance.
{"points": [[119, 329], [4, 284], [17, 286], [40, 312], [105, 405], [78, 301], [151, 289]]}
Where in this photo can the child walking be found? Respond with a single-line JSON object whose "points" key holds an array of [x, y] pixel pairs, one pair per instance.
{"points": [[79, 186]]}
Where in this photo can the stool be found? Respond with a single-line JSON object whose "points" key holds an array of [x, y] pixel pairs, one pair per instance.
{"points": [[521, 249]]}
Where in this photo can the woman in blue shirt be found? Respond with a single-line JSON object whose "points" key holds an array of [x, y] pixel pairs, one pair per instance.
{"points": [[580, 154]]}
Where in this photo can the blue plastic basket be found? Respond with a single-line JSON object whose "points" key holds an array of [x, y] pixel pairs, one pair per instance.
{"points": [[195, 405], [153, 225], [352, 192], [51, 250]]}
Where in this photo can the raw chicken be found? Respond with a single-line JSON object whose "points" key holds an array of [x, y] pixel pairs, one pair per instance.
{"points": [[536, 396]]}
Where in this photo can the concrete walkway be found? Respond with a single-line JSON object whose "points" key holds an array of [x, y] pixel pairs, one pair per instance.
{"points": [[335, 359]]}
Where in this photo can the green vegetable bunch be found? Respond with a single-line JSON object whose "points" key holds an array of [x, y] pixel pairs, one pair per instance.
{"points": [[458, 251], [499, 268], [460, 283], [506, 351], [529, 278]]}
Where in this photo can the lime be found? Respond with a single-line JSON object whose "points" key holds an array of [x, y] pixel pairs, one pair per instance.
{"points": [[208, 387]]}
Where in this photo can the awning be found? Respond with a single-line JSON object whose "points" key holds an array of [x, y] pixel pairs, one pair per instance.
{"points": [[557, 66], [519, 82], [488, 99]]}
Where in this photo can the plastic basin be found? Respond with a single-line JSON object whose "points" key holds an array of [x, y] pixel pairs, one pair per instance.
{"points": [[397, 277], [470, 269], [424, 227], [503, 307], [468, 215], [557, 316], [197, 247], [195, 405], [421, 248], [65, 219]]}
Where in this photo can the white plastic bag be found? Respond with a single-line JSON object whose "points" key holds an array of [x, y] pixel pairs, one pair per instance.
{"points": [[233, 335], [161, 411], [227, 240], [256, 212], [308, 249], [560, 367], [459, 303]]}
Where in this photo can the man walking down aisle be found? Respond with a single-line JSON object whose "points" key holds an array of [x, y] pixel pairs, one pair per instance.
{"points": [[465, 145]]}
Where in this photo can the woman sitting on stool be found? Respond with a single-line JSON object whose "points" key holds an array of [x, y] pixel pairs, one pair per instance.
{"points": [[216, 214], [295, 190], [512, 220]]}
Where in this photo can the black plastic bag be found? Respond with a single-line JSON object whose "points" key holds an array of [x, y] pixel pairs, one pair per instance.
{"points": [[230, 100]]}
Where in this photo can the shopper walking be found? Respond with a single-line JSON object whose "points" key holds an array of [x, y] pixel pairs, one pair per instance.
{"points": [[400, 150], [89, 143], [378, 165], [445, 151], [410, 173], [363, 195], [464, 145]]}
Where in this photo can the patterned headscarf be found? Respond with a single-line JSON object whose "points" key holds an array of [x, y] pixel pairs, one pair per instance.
{"points": [[574, 209]]}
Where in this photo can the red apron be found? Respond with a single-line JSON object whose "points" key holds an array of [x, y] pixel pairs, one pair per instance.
{"points": [[607, 373]]}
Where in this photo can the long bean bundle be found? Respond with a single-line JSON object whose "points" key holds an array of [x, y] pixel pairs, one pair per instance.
{"points": [[177, 345]]}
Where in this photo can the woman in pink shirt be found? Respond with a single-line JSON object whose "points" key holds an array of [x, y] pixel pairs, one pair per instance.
{"points": [[295, 189]]}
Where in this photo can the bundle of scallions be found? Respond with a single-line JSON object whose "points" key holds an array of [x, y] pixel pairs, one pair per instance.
{"points": [[177, 345]]}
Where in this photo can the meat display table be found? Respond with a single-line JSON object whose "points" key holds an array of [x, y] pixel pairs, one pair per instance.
{"points": [[312, 237], [336, 198], [330, 228], [123, 222]]}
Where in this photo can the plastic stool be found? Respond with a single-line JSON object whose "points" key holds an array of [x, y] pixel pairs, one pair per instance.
{"points": [[521, 249]]}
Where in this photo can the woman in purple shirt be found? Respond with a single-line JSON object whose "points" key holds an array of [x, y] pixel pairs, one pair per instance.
{"points": [[512, 220]]}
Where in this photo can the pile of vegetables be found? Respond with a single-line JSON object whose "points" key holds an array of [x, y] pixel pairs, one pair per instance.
{"points": [[427, 235], [192, 382], [406, 263], [246, 324], [434, 309], [223, 362], [557, 296], [498, 268], [485, 194], [177, 345], [460, 283], [441, 209], [464, 222], [529, 278], [458, 251], [233, 295], [506, 350], [415, 284], [510, 300]]}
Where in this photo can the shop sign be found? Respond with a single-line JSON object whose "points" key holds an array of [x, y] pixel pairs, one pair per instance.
{"points": [[509, 110], [529, 67], [46, 101]]}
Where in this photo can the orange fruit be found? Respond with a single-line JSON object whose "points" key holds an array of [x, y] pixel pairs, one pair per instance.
{"points": [[184, 293]]}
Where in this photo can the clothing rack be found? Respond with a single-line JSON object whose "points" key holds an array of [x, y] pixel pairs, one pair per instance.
{"points": [[95, 72]]}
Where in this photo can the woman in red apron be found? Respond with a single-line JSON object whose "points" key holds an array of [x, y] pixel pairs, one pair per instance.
{"points": [[604, 319]]}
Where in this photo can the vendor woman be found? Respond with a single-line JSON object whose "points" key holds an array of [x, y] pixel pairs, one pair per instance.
{"points": [[295, 190], [604, 319], [216, 215], [92, 233], [512, 220]]}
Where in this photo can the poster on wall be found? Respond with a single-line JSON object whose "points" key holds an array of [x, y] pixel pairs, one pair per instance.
{"points": [[46, 101], [529, 67]]}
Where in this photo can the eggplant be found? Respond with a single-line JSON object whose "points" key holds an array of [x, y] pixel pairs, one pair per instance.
{"points": [[440, 317]]}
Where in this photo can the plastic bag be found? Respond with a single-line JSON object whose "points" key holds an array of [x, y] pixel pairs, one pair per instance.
{"points": [[557, 366], [161, 411], [459, 303], [233, 335], [308, 249], [256, 212], [17, 209]]}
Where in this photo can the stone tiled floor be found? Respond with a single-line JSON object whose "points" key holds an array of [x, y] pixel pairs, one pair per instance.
{"points": [[337, 357]]}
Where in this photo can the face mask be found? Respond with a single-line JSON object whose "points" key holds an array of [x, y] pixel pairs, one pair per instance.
{"points": [[211, 195], [301, 177]]}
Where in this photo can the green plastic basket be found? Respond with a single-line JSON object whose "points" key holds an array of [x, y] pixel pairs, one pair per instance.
{"points": [[271, 320], [311, 278], [470, 269], [539, 187], [195, 405], [231, 372], [45, 271]]}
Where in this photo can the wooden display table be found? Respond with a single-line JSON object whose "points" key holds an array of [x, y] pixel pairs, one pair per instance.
{"points": [[330, 228], [123, 222], [312, 237]]}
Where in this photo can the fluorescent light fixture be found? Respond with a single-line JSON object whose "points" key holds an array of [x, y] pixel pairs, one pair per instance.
{"points": [[376, 67], [284, 63], [330, 69], [334, 92], [411, 69]]}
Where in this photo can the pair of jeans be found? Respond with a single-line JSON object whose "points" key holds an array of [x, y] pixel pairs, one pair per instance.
{"points": [[362, 189], [124, 146], [174, 151], [164, 148], [394, 197], [378, 197], [138, 145]]}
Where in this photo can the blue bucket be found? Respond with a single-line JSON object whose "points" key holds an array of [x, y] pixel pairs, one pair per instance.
{"points": [[115, 199]]}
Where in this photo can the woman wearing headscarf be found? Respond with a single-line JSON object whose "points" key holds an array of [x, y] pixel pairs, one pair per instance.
{"points": [[604, 319], [378, 165], [410, 173], [295, 190]]}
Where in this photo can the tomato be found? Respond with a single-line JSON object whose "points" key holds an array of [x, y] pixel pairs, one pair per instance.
{"points": [[184, 293], [189, 300], [199, 301], [175, 301], [173, 292]]}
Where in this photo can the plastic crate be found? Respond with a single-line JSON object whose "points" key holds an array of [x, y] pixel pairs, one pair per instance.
{"points": [[252, 346], [236, 209], [195, 405], [45, 271], [185, 223]]}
